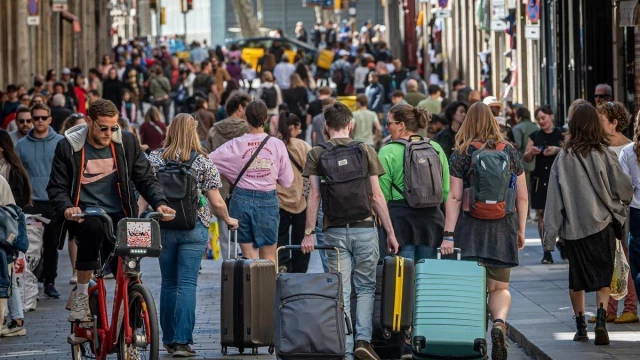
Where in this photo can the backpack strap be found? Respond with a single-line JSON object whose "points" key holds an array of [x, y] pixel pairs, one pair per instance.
{"points": [[327, 145], [246, 166]]}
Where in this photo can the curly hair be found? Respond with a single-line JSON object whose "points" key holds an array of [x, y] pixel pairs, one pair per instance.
{"points": [[615, 111]]}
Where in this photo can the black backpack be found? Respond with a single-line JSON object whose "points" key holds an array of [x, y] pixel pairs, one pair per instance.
{"points": [[179, 181], [344, 183], [270, 97], [338, 75]]}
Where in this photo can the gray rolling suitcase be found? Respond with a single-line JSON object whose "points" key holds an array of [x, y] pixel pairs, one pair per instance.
{"points": [[310, 321], [246, 305]]}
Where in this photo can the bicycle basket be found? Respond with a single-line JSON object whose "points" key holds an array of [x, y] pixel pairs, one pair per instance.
{"points": [[138, 238]]}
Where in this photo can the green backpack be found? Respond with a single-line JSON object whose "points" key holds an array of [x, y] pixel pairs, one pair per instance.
{"points": [[490, 177]]}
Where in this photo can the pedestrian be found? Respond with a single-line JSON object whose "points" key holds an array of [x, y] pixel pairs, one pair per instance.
{"points": [[36, 152], [59, 88], [105, 66], [543, 146], [315, 106], [6, 198], [13, 172], [360, 74], [296, 98], [266, 63], [301, 32], [92, 96], [630, 164], [71, 121], [221, 75], [492, 242], [58, 112], [283, 71], [494, 104], [384, 78], [182, 249], [292, 200], [376, 94], [615, 119], [10, 105], [399, 75], [95, 81], [437, 122], [365, 125], [340, 72], [434, 102], [316, 35], [414, 97], [269, 92], [205, 119], [455, 114], [462, 91], [234, 69], [129, 108], [222, 131], [25, 99], [72, 189], [254, 197], [318, 125], [521, 131], [602, 94], [586, 207], [348, 222], [160, 89], [153, 130], [417, 238], [24, 123], [330, 36], [397, 97], [37, 99], [112, 88], [80, 93]]}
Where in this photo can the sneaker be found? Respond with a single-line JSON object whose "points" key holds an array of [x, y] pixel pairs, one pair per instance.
{"points": [[80, 311], [13, 329], [610, 318], [547, 258], [50, 291], [364, 351], [499, 341], [627, 317], [171, 348], [183, 351], [74, 278]]}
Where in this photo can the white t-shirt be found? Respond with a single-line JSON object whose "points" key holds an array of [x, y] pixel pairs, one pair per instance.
{"points": [[629, 164], [6, 197]]}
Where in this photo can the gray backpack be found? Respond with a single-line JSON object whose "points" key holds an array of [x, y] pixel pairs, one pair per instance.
{"points": [[422, 174]]}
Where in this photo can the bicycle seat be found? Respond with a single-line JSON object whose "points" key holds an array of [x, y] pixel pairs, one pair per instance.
{"points": [[138, 238]]}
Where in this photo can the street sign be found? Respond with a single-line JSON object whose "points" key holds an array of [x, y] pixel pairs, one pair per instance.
{"points": [[59, 5], [32, 7], [532, 32], [533, 10], [33, 20], [443, 14], [498, 25]]}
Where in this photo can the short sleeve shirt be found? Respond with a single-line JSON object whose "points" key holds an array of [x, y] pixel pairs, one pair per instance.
{"points": [[459, 164], [99, 180], [208, 179], [313, 163]]}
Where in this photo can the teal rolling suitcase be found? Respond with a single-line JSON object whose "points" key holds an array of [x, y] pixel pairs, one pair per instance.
{"points": [[450, 314]]}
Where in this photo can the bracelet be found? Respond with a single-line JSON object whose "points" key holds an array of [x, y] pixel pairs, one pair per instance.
{"points": [[448, 238]]}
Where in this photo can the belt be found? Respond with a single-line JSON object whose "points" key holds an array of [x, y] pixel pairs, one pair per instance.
{"points": [[365, 224]]}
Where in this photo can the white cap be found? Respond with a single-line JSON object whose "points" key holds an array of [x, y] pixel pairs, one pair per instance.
{"points": [[343, 52], [66, 71]]}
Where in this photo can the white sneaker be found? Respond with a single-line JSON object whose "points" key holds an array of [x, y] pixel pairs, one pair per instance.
{"points": [[74, 278], [80, 311]]}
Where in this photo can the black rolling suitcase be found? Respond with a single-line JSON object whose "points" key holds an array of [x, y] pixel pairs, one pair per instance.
{"points": [[246, 305]]}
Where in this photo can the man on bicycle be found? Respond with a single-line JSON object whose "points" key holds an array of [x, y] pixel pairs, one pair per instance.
{"points": [[95, 165]]}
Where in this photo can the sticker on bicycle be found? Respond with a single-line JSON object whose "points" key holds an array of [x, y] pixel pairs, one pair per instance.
{"points": [[139, 234]]}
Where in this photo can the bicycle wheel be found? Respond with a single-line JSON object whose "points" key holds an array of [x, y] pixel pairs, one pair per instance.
{"points": [[146, 342], [81, 351]]}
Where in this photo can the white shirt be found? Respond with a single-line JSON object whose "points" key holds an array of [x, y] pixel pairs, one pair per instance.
{"points": [[282, 72], [630, 166], [6, 197]]}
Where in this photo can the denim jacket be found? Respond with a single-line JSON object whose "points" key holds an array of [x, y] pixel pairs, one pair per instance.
{"points": [[13, 240]]}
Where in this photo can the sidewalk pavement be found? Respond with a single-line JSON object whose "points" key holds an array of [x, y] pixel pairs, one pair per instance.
{"points": [[541, 316]]}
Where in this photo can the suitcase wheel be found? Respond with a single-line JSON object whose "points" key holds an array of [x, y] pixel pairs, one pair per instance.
{"points": [[241, 350], [386, 334], [224, 350], [271, 350], [480, 345], [419, 343], [254, 351]]}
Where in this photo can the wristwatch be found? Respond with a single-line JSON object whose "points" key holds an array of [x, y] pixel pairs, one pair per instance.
{"points": [[308, 232]]}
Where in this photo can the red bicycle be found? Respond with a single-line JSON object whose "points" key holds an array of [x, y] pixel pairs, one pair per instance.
{"points": [[132, 331]]}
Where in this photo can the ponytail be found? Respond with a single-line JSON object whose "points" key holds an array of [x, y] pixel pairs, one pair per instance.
{"points": [[283, 127]]}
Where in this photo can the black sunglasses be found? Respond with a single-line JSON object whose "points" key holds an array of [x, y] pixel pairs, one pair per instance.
{"points": [[599, 96], [39, 118], [112, 128], [23, 121]]}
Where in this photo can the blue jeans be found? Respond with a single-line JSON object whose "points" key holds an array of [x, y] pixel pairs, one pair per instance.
{"points": [[634, 260], [179, 265], [358, 255], [320, 238], [14, 303], [418, 252], [258, 213]]}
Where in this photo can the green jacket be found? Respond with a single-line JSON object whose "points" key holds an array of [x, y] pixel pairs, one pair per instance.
{"points": [[521, 134], [392, 159]]}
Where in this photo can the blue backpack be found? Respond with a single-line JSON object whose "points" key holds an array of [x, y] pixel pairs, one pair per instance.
{"points": [[13, 229]]}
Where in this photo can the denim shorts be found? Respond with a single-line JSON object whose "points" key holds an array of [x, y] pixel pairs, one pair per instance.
{"points": [[258, 215]]}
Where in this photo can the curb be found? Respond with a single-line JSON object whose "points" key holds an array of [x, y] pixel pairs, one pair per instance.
{"points": [[528, 346]]}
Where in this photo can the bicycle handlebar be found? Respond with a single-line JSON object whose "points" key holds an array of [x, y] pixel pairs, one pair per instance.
{"points": [[99, 213]]}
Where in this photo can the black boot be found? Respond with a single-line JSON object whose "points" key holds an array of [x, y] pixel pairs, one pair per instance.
{"points": [[581, 329], [602, 336]]}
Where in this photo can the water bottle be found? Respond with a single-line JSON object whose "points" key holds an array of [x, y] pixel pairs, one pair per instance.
{"points": [[510, 202]]}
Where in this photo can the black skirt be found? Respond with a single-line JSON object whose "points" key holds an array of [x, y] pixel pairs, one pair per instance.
{"points": [[416, 226], [539, 186], [591, 260]]}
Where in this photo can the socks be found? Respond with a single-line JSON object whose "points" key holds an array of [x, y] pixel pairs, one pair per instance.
{"points": [[83, 289]]}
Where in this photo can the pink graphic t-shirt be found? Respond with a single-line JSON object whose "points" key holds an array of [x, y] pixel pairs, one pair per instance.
{"points": [[271, 166]]}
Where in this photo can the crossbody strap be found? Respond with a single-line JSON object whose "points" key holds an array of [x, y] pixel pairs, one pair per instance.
{"points": [[246, 166], [294, 162]]}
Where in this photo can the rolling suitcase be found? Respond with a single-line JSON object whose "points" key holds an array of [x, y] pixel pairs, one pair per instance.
{"points": [[398, 285], [246, 305], [387, 344], [450, 315], [310, 321]]}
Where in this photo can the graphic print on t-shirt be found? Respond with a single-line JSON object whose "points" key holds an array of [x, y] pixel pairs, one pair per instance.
{"points": [[260, 167], [99, 180], [97, 169]]}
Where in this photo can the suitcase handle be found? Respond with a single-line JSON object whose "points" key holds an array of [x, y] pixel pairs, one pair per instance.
{"points": [[299, 247], [458, 252], [229, 247]]}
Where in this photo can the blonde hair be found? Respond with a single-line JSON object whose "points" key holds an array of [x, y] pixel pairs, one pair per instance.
{"points": [[479, 125], [295, 81], [182, 138]]}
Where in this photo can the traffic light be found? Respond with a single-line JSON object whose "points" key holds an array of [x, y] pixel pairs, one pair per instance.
{"points": [[186, 5], [153, 4], [189, 5]]}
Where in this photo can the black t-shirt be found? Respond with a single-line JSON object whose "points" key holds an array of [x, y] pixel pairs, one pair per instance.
{"points": [[386, 81], [99, 180], [203, 82], [542, 140], [315, 108]]}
